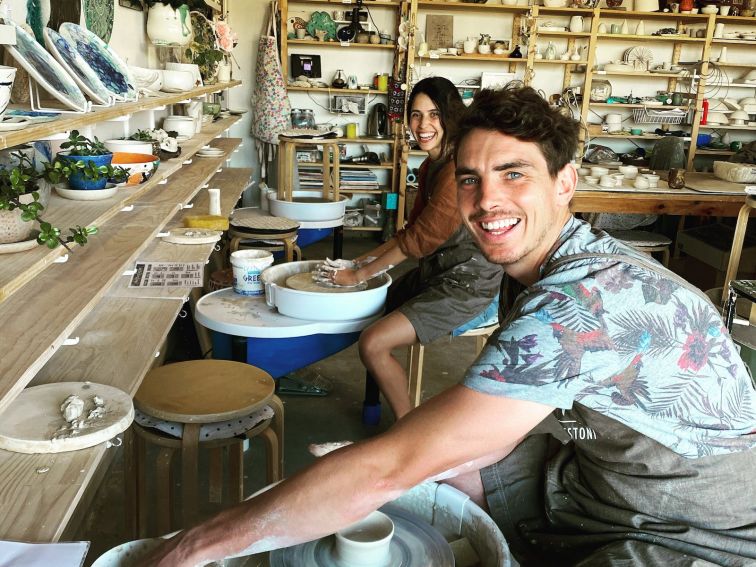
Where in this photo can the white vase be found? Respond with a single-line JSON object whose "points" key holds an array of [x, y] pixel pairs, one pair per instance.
{"points": [[640, 29], [625, 30], [576, 24], [723, 55], [166, 26], [470, 45], [224, 72]]}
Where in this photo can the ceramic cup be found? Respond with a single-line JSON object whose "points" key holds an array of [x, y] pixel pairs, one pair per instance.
{"points": [[724, 10], [597, 171], [7, 74], [616, 28], [590, 180], [636, 131], [618, 177], [484, 48], [583, 171], [641, 182], [607, 181], [653, 180], [366, 543], [301, 32], [629, 171]]}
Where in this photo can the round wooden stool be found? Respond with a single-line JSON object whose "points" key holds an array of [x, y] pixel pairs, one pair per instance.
{"points": [[644, 241], [193, 394], [249, 226], [220, 279]]}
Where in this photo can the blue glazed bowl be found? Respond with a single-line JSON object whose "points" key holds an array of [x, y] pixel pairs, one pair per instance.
{"points": [[78, 181], [703, 139]]}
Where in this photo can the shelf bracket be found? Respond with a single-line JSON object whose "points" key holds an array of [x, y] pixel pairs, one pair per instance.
{"points": [[71, 341], [61, 259]]}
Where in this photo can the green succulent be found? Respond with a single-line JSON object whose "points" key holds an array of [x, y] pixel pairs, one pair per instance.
{"points": [[82, 146]]}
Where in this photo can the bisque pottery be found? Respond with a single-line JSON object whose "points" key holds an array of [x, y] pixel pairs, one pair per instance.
{"points": [[576, 24], [169, 26]]}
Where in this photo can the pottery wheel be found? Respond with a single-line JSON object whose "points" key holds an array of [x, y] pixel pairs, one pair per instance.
{"points": [[415, 544], [31, 421], [304, 282]]}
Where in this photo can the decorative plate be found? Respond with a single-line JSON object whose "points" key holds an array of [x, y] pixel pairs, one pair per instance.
{"points": [[100, 17], [111, 70], [74, 63], [640, 57], [45, 70]]}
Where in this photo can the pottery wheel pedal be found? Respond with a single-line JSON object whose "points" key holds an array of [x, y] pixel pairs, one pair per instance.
{"points": [[249, 228], [293, 386]]}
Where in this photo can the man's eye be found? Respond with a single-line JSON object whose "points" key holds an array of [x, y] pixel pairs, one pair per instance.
{"points": [[468, 181], [512, 175]]}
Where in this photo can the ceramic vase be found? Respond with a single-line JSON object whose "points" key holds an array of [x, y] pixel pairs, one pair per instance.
{"points": [[550, 51], [625, 29], [576, 56], [640, 29], [676, 178], [576, 24], [470, 45], [723, 55], [224, 72], [166, 26], [538, 54]]}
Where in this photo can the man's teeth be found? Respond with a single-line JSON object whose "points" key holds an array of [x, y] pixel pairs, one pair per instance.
{"points": [[499, 224]]}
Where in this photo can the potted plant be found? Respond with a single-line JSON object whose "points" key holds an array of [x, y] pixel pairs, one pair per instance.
{"points": [[207, 58], [93, 160], [24, 193], [164, 144]]}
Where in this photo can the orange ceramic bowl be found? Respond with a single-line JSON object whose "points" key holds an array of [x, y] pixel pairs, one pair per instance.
{"points": [[140, 166]]}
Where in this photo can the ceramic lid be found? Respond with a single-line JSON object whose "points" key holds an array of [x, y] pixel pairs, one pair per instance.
{"points": [[45, 70], [111, 70]]}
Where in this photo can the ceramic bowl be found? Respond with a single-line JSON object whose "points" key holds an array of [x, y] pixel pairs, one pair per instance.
{"points": [[739, 117], [140, 166], [177, 81], [183, 125], [629, 171], [149, 79], [717, 118], [710, 9], [590, 180], [583, 171], [190, 67], [555, 3], [367, 542], [131, 146], [597, 171]]}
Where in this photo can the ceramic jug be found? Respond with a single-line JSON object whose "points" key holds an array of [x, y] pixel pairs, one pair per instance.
{"points": [[194, 109], [166, 26], [470, 45], [576, 24]]}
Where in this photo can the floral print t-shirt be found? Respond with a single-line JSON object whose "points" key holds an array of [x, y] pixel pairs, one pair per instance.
{"points": [[630, 342]]}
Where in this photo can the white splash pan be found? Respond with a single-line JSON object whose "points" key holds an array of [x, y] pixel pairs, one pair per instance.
{"points": [[321, 306], [307, 211], [450, 511]]}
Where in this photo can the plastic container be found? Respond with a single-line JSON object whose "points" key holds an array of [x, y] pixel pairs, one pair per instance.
{"points": [[248, 265]]}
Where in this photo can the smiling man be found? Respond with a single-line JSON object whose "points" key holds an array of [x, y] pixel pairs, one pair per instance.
{"points": [[617, 414]]}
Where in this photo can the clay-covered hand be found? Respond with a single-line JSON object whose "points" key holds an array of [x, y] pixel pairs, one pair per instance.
{"points": [[326, 272]]}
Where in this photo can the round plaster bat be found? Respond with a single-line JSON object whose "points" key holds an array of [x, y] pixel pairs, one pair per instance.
{"points": [[192, 236]]}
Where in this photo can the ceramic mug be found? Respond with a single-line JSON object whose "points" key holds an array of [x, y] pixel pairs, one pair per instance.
{"points": [[7, 74], [616, 28]]}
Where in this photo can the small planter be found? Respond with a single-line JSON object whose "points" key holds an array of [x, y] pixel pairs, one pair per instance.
{"points": [[78, 180], [12, 227]]}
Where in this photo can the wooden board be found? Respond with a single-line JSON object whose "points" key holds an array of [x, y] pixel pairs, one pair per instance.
{"points": [[707, 183], [439, 31], [32, 423]]}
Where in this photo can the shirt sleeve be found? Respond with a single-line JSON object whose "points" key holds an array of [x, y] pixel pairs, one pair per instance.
{"points": [[439, 219], [543, 356]]}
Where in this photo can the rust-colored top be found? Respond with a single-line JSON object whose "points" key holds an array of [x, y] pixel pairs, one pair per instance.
{"points": [[435, 218]]}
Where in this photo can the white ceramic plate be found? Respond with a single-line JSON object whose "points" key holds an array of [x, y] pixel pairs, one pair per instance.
{"points": [[20, 246], [192, 236], [111, 70], [74, 63], [11, 123], [87, 194], [45, 70]]}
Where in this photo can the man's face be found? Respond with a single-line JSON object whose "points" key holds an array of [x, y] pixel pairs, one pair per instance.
{"points": [[509, 202]]}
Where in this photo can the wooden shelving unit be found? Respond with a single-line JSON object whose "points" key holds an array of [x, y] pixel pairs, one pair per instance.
{"points": [[120, 330]]}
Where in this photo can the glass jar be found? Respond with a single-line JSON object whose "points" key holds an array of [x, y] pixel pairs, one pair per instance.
{"points": [[297, 117], [308, 119], [601, 90]]}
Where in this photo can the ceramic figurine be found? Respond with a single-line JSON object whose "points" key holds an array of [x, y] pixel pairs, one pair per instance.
{"points": [[550, 51], [516, 53]]}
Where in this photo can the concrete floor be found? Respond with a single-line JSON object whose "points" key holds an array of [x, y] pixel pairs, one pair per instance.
{"points": [[336, 416]]}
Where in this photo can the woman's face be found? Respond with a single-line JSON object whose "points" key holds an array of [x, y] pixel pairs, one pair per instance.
{"points": [[425, 124]]}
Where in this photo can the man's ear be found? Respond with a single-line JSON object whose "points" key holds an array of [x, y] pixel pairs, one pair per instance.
{"points": [[566, 182]]}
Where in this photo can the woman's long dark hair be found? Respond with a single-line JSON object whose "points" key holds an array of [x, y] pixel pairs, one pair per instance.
{"points": [[446, 97]]}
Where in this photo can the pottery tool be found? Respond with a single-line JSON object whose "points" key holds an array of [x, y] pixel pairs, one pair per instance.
{"points": [[211, 222], [64, 416]]}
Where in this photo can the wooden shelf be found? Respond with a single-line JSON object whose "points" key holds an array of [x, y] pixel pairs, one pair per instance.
{"points": [[646, 74], [736, 19], [728, 127], [346, 45], [347, 165], [390, 3], [428, 5], [325, 90], [612, 105], [20, 268], [608, 13], [563, 34], [735, 41], [557, 62], [741, 65], [77, 121], [702, 152], [137, 321], [364, 228], [491, 58], [631, 37], [365, 140]]}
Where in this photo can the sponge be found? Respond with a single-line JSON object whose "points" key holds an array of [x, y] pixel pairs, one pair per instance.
{"points": [[211, 222]]}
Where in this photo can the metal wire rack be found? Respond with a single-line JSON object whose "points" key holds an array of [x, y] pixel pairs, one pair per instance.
{"points": [[648, 116]]}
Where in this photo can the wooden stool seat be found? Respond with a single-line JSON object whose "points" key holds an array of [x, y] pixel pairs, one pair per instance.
{"points": [[416, 352], [644, 241], [247, 239], [196, 393]]}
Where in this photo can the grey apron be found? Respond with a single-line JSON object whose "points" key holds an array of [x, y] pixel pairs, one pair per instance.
{"points": [[612, 496]]}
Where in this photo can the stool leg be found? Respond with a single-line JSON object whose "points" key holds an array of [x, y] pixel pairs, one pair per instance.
{"points": [[130, 468], [272, 449], [665, 257], [415, 373], [215, 475], [141, 481], [235, 472], [189, 461], [276, 471], [163, 490]]}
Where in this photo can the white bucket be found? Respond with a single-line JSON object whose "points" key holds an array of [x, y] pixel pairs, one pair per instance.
{"points": [[247, 266]]}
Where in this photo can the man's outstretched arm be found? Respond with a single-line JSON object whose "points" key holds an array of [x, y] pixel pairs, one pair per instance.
{"points": [[455, 427]]}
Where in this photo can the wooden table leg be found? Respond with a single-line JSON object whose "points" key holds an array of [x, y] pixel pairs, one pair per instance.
{"points": [[737, 244]]}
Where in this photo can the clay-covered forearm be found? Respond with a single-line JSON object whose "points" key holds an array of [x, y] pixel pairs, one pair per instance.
{"points": [[438, 221], [390, 258], [376, 252]]}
